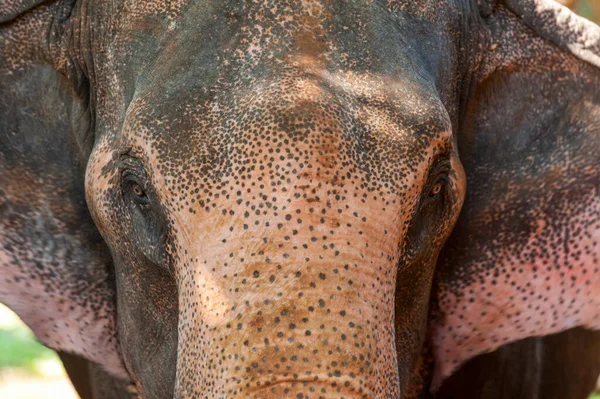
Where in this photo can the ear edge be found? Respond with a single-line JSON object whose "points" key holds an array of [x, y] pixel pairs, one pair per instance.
{"points": [[558, 24]]}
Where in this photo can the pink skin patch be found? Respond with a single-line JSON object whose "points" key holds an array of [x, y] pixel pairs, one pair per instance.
{"points": [[50, 303], [547, 286]]}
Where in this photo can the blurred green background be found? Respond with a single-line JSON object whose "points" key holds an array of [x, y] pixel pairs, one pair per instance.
{"points": [[28, 370], [588, 8]]}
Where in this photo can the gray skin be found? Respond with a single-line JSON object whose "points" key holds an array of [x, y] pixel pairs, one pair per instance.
{"points": [[258, 200]]}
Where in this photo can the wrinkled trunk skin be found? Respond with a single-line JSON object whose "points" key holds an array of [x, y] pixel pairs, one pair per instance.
{"points": [[262, 319]]}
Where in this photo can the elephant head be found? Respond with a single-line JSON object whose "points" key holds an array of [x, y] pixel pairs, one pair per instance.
{"points": [[273, 182]]}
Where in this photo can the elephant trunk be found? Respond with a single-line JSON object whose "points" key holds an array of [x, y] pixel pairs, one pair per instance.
{"points": [[301, 305], [322, 330]]}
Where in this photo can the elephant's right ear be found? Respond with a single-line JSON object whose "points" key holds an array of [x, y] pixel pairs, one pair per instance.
{"points": [[55, 269], [11, 9], [524, 257]]}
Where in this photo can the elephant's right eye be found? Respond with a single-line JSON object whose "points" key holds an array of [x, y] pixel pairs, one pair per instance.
{"points": [[135, 190]]}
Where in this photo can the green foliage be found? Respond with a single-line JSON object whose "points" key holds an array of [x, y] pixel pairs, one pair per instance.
{"points": [[19, 349], [586, 9]]}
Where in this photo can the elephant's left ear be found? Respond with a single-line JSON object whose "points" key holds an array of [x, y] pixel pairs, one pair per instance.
{"points": [[524, 258], [55, 269]]}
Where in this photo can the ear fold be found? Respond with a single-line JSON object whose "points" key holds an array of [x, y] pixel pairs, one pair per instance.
{"points": [[55, 270], [523, 259], [11, 9]]}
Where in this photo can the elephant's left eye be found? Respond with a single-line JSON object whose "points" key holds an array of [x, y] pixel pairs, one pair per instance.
{"points": [[437, 188]]}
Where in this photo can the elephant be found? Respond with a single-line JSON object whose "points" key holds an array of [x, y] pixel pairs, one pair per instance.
{"points": [[304, 198]]}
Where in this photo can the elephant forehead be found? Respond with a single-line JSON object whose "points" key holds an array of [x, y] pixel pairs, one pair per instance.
{"points": [[172, 8], [381, 134]]}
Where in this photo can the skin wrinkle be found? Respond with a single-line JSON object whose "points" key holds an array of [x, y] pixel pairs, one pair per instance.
{"points": [[275, 180]]}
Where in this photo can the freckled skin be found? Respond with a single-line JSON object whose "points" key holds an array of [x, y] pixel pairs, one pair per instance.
{"points": [[274, 181], [523, 262], [287, 206], [288, 190], [55, 266]]}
